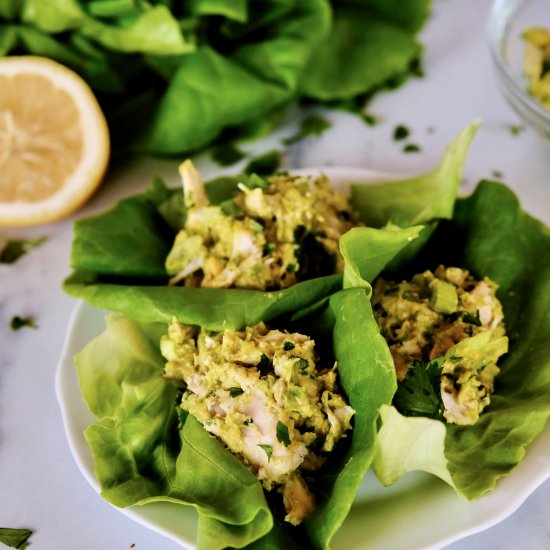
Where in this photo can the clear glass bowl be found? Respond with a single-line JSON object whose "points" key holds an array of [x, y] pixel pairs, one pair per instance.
{"points": [[507, 21]]}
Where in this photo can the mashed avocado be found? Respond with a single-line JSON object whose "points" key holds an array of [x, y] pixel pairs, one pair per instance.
{"points": [[259, 391], [445, 331], [272, 234]]}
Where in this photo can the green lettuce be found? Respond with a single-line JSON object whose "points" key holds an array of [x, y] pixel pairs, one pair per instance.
{"points": [[172, 76], [490, 235], [143, 452]]}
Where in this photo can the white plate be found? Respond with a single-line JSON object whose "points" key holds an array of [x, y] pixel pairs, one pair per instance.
{"points": [[418, 512]]}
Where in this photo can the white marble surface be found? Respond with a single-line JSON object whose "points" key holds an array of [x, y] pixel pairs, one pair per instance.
{"points": [[41, 487]]}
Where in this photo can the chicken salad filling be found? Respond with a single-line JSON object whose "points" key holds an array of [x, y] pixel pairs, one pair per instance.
{"points": [[273, 233], [446, 333], [260, 392]]}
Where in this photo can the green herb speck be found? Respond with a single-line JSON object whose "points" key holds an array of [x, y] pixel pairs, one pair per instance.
{"points": [[15, 248], [411, 148], [282, 434], [400, 132], [268, 451], [301, 363], [287, 346], [18, 323], [312, 125], [234, 391]]}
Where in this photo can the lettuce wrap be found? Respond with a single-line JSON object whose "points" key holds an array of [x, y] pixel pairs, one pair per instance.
{"points": [[118, 257], [491, 236], [145, 452]]}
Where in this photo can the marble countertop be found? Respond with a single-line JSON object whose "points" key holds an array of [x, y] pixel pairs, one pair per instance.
{"points": [[41, 487]]}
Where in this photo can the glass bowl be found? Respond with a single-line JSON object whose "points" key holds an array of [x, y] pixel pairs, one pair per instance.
{"points": [[508, 19]]}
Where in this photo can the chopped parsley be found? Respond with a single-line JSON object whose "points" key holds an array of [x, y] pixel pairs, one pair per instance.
{"points": [[411, 148], [15, 248], [282, 434], [235, 392], [18, 323], [15, 538], [226, 154], [287, 346], [252, 181], [264, 165], [400, 132], [515, 129], [268, 451], [301, 363], [419, 394], [312, 125]]}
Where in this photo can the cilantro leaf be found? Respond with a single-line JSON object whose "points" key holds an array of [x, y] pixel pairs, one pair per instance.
{"points": [[419, 393], [15, 248], [472, 319], [282, 434], [15, 538]]}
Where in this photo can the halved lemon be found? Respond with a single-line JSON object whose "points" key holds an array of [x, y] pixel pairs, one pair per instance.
{"points": [[54, 141]]}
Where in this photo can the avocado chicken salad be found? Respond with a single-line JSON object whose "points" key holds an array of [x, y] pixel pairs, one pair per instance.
{"points": [[433, 325], [271, 234], [260, 392]]}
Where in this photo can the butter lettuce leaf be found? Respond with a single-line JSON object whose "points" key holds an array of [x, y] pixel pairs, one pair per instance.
{"points": [[172, 77]]}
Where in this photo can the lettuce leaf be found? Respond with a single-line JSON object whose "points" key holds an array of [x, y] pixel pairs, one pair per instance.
{"points": [[172, 76], [142, 456], [491, 236]]}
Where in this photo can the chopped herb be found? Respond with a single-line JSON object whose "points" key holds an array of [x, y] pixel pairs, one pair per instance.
{"points": [[248, 421], [287, 346], [17, 322], [182, 415], [231, 208], [516, 129], [15, 538], [265, 164], [226, 154], [264, 362], [268, 451], [15, 248], [301, 363], [405, 337], [410, 297], [369, 119], [419, 394], [472, 319], [392, 291], [400, 132], [497, 174], [234, 392], [411, 148], [312, 125], [292, 268], [282, 434], [455, 358]]}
